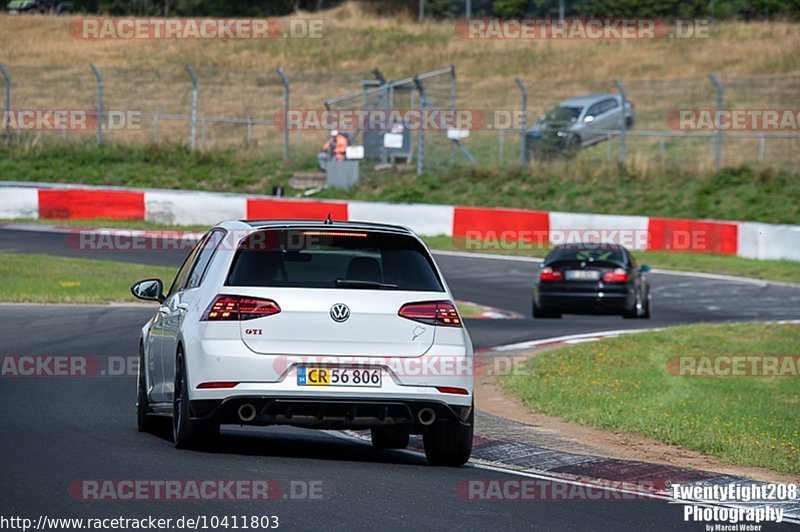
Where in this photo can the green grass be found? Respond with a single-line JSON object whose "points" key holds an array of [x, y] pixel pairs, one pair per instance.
{"points": [[622, 384], [46, 279], [741, 193], [468, 310]]}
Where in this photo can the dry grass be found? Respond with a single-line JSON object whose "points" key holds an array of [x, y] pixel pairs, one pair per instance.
{"points": [[238, 78], [358, 40]]}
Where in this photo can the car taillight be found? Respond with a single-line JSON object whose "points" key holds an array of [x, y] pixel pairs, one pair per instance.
{"points": [[432, 313], [239, 308], [617, 276], [549, 274]]}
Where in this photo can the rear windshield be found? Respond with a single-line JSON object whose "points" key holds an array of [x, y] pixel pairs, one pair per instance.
{"points": [[333, 259], [588, 255]]}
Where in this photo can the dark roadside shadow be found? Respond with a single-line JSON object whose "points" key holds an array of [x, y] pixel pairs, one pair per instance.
{"points": [[290, 442]]}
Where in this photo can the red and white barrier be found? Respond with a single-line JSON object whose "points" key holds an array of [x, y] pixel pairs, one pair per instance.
{"points": [[192, 208], [19, 202], [768, 241], [745, 239]]}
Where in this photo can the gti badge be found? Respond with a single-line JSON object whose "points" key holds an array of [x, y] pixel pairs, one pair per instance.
{"points": [[340, 312]]}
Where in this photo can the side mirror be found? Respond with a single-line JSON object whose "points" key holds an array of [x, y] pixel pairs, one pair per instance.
{"points": [[588, 119], [149, 290], [644, 268]]}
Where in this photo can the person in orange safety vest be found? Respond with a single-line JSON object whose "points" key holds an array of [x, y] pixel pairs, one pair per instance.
{"points": [[335, 147]]}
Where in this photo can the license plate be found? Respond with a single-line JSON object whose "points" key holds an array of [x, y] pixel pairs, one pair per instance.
{"points": [[314, 376], [583, 275]]}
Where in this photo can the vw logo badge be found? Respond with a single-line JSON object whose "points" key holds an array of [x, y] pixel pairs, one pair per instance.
{"points": [[340, 312]]}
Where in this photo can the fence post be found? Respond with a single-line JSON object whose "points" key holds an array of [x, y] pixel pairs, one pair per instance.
{"points": [[453, 96], [285, 79], [501, 140], [249, 133], [421, 11], [468, 9], [523, 139], [7, 78], [420, 131], [720, 102], [193, 119], [99, 77], [761, 148], [623, 126]]}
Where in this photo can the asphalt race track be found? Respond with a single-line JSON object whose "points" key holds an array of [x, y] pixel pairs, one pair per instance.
{"points": [[61, 430]]}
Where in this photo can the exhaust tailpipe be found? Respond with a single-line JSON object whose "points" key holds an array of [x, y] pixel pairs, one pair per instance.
{"points": [[247, 412], [426, 416]]}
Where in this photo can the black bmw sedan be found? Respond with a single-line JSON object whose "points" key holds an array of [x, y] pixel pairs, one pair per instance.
{"points": [[589, 278]]}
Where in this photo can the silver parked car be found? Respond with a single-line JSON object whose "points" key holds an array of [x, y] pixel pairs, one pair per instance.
{"points": [[579, 122]]}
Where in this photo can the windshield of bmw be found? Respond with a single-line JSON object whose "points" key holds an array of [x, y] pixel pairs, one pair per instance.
{"points": [[313, 258]]}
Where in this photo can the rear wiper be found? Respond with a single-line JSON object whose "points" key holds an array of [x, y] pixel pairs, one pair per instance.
{"points": [[349, 283]]}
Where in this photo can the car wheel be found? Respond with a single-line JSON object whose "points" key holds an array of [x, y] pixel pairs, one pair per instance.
{"points": [[633, 312], [545, 313], [386, 439], [144, 421], [449, 443], [573, 145], [648, 305], [186, 433]]}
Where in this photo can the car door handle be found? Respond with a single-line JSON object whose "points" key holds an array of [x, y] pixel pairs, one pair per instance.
{"points": [[163, 311], [183, 306]]}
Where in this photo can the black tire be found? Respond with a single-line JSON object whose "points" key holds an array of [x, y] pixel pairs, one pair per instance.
{"points": [[572, 145], [386, 439], [633, 312], [545, 313], [144, 420], [648, 305], [186, 433], [449, 443]]}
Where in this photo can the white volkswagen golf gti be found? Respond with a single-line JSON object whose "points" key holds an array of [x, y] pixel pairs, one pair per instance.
{"points": [[319, 324]]}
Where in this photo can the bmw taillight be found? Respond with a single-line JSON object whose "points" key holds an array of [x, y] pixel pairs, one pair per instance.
{"points": [[239, 308], [617, 276], [549, 275], [432, 313]]}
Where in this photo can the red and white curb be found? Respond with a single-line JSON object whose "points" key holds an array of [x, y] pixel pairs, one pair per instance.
{"points": [[655, 484], [19, 200], [489, 313], [571, 339]]}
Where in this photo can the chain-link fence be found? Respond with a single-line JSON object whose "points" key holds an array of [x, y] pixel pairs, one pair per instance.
{"points": [[224, 108]]}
